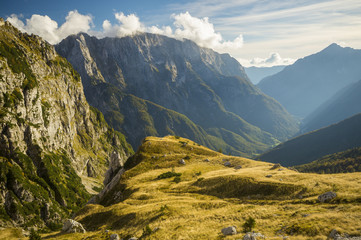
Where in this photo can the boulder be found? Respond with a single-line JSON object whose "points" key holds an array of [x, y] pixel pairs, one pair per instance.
{"points": [[326, 197], [269, 175], [114, 237], [207, 160], [275, 166], [229, 230], [337, 236], [182, 161], [333, 234], [253, 236], [71, 226], [227, 164], [238, 167]]}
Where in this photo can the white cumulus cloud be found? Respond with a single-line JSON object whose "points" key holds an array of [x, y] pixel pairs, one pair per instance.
{"points": [[48, 29], [185, 26], [274, 59], [127, 25], [199, 30]]}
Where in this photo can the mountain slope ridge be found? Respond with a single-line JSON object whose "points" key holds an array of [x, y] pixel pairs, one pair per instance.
{"points": [[313, 145], [180, 76], [310, 81], [54, 147], [339, 107]]}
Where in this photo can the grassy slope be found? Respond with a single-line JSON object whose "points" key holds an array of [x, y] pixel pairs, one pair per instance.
{"points": [[211, 196], [346, 161]]}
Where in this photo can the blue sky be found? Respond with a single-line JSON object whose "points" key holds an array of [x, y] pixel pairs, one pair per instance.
{"points": [[262, 32]]}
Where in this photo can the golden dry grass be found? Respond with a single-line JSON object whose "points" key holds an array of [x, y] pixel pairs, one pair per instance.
{"points": [[211, 196]]}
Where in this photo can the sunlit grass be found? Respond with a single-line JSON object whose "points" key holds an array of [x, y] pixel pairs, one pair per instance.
{"points": [[211, 196]]}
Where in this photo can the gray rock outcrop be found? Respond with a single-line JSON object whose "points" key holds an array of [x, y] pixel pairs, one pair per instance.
{"points": [[114, 237], [335, 235], [229, 230], [253, 236], [72, 226], [325, 197], [182, 161], [227, 164]]}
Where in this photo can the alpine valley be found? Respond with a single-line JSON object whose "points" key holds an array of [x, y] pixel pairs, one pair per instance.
{"points": [[71, 115]]}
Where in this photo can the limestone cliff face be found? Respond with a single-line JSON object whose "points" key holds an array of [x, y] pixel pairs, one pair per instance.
{"points": [[51, 141]]}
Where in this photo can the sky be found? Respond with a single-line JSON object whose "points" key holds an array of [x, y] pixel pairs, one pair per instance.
{"points": [[255, 32]]}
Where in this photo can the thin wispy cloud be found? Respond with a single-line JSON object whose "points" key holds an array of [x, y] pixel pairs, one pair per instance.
{"points": [[291, 28]]}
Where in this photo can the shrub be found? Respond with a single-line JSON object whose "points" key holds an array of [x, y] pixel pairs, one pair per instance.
{"points": [[200, 179], [169, 175], [177, 179], [34, 235], [147, 231], [249, 224]]}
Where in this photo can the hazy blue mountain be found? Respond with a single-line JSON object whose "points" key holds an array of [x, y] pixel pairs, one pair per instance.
{"points": [[256, 74], [311, 146], [302, 87], [210, 89], [342, 105]]}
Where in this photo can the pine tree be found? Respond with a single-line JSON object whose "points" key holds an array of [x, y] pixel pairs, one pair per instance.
{"points": [[249, 224]]}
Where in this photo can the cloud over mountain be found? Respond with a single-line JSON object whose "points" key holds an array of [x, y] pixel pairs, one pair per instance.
{"points": [[274, 59], [48, 29], [199, 30]]}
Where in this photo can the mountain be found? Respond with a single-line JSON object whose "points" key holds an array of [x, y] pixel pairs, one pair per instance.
{"points": [[158, 196], [54, 147], [341, 162], [311, 146], [256, 74], [342, 105], [303, 86], [210, 89], [138, 118]]}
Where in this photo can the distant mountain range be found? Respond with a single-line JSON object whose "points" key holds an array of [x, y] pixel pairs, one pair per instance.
{"points": [[137, 80], [302, 87], [342, 105], [256, 74], [314, 145]]}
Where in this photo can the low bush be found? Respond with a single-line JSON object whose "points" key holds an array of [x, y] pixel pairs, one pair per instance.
{"points": [[168, 175]]}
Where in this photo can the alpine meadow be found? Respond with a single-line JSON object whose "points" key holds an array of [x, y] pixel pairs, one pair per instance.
{"points": [[180, 120]]}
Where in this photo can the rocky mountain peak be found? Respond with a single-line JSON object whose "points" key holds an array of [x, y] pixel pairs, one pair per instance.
{"points": [[209, 88]]}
